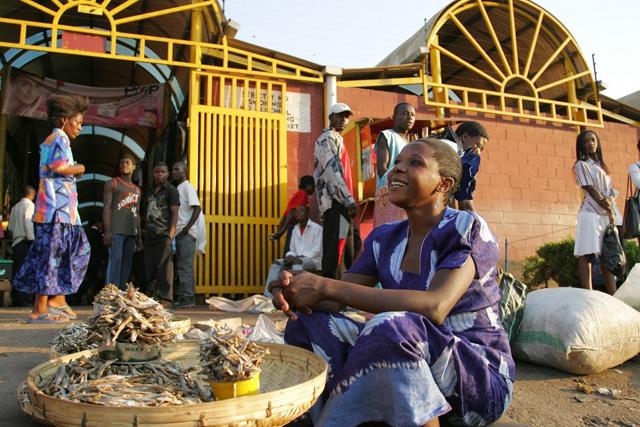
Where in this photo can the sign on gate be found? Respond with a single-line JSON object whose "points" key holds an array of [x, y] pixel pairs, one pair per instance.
{"points": [[298, 106]]}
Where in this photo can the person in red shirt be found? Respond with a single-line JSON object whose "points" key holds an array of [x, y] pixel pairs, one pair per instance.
{"points": [[306, 187]]}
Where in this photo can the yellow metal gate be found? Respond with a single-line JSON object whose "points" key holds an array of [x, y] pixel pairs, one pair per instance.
{"points": [[237, 162]]}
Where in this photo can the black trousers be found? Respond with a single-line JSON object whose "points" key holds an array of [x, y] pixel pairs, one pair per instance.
{"points": [[158, 262], [331, 237], [20, 299]]}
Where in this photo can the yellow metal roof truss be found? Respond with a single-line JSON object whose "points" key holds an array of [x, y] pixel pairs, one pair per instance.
{"points": [[207, 56], [508, 57]]}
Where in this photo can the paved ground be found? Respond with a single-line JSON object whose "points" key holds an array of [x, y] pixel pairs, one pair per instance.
{"points": [[542, 396]]}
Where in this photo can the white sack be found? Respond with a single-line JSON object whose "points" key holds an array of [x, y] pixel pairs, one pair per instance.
{"points": [[252, 304], [629, 292], [577, 330]]}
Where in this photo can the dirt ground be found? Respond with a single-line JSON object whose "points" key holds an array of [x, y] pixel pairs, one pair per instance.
{"points": [[542, 396]]}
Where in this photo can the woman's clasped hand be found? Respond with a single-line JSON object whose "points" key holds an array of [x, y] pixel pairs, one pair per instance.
{"points": [[296, 290]]}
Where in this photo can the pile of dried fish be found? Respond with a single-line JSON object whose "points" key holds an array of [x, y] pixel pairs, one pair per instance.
{"points": [[228, 356], [130, 316], [157, 383], [74, 338]]}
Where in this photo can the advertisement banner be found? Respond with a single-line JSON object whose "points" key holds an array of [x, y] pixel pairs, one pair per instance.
{"points": [[26, 95]]}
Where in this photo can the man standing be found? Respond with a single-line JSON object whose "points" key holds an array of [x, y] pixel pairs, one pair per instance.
{"points": [[305, 250], [474, 137], [121, 219], [389, 144], [336, 203], [186, 236], [21, 227], [161, 217]]}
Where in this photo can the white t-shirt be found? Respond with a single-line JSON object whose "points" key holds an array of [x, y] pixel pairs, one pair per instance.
{"points": [[188, 199], [20, 222]]}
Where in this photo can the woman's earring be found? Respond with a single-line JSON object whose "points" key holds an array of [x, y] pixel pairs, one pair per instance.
{"points": [[437, 204]]}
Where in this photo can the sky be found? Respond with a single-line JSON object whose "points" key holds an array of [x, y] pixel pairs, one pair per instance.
{"points": [[360, 33]]}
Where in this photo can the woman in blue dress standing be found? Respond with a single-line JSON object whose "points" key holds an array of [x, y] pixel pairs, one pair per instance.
{"points": [[57, 260], [436, 346]]}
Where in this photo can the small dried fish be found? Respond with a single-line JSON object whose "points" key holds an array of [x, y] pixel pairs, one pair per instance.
{"points": [[126, 316], [228, 356], [156, 383], [130, 316], [74, 338]]}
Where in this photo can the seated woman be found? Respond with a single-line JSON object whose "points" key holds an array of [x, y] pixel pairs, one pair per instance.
{"points": [[436, 345]]}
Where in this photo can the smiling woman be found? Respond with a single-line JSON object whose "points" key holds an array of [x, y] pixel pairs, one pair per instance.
{"points": [[435, 344]]}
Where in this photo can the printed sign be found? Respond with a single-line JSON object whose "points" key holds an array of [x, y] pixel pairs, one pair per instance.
{"points": [[26, 96], [298, 106]]}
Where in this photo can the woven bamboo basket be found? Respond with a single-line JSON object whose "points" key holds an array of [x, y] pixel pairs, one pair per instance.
{"points": [[292, 379], [187, 350]]}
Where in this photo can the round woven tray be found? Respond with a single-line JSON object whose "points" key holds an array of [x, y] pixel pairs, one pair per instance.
{"points": [[292, 379]]}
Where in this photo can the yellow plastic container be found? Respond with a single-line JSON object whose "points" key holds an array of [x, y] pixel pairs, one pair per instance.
{"points": [[229, 389]]}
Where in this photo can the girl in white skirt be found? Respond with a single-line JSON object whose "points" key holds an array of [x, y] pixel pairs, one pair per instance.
{"points": [[598, 207]]}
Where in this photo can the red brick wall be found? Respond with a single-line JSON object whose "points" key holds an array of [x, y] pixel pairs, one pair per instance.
{"points": [[526, 189], [300, 145]]}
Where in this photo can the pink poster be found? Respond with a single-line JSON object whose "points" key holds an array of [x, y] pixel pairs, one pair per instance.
{"points": [[26, 95]]}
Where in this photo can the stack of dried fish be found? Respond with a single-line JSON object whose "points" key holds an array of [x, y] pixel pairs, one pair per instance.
{"points": [[157, 383], [130, 316], [76, 337], [228, 356]]}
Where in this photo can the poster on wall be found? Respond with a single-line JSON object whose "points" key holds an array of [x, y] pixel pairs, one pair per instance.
{"points": [[368, 164], [297, 105], [26, 96]]}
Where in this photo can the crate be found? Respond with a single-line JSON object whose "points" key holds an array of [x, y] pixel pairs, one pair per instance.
{"points": [[6, 268]]}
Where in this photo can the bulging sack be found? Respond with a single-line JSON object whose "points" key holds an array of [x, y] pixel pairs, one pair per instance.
{"points": [[577, 330], [629, 292]]}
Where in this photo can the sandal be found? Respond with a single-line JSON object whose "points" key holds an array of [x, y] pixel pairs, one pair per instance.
{"points": [[62, 311], [47, 318]]}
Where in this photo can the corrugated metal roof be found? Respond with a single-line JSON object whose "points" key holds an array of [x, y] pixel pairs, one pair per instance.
{"points": [[633, 99]]}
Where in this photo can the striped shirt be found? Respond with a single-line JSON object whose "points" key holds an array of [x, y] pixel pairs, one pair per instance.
{"points": [[589, 172]]}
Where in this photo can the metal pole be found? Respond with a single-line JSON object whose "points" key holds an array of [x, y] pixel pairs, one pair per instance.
{"points": [[330, 89], [506, 255]]}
